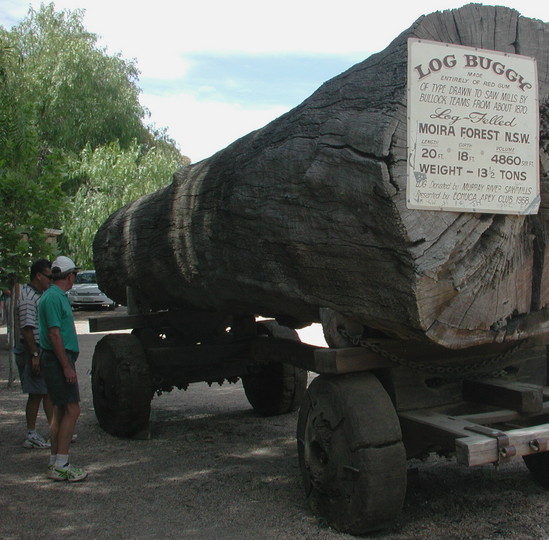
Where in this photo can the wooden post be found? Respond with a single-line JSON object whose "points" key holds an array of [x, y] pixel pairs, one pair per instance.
{"points": [[12, 305]]}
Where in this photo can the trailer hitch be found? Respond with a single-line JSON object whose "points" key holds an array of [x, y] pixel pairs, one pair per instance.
{"points": [[504, 449]]}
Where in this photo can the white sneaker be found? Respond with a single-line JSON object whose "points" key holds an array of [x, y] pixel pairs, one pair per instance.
{"points": [[68, 473], [36, 441]]}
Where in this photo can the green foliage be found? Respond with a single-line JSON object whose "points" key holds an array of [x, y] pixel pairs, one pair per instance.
{"points": [[110, 178], [82, 95], [30, 195], [30, 204], [73, 146]]}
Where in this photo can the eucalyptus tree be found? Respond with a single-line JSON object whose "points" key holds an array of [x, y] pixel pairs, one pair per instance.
{"points": [[63, 99], [82, 94], [30, 186], [30, 194], [109, 178]]}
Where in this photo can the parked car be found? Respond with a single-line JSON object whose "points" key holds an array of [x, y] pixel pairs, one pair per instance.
{"points": [[85, 292]]}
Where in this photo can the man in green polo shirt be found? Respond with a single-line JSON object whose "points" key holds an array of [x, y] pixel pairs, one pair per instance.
{"points": [[59, 345]]}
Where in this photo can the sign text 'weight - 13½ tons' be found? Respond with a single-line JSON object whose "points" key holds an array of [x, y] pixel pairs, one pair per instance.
{"points": [[473, 130]]}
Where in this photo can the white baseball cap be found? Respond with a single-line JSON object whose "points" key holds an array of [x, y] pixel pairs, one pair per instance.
{"points": [[63, 265]]}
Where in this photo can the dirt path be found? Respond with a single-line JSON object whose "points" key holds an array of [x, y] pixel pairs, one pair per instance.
{"points": [[213, 469]]}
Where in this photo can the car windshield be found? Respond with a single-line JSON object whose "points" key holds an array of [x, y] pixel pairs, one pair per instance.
{"points": [[86, 277]]}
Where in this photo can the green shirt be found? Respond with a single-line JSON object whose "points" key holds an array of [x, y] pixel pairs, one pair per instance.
{"points": [[54, 309]]}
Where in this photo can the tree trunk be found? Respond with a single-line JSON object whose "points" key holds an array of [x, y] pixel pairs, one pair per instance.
{"points": [[310, 212], [11, 326]]}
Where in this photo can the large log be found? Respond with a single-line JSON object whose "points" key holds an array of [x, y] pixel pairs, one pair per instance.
{"points": [[310, 212]]}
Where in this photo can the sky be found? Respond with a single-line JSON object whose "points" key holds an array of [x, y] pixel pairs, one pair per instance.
{"points": [[214, 70]]}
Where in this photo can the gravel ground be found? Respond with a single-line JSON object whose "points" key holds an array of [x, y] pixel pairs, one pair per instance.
{"points": [[214, 469]]}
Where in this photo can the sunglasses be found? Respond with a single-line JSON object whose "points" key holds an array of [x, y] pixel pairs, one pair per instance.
{"points": [[49, 276]]}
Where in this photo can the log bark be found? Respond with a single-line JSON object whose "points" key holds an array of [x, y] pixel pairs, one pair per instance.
{"points": [[310, 212]]}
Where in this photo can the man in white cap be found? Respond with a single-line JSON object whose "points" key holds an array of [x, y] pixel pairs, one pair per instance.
{"points": [[59, 344]]}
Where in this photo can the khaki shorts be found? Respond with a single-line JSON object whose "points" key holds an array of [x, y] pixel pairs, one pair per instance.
{"points": [[30, 383], [61, 392]]}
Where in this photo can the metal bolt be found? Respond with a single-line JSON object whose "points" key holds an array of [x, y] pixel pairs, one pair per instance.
{"points": [[534, 445], [538, 445]]}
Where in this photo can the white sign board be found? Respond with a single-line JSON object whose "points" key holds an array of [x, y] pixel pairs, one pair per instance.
{"points": [[473, 130]]}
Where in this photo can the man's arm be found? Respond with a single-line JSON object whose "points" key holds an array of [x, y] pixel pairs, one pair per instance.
{"points": [[31, 347], [59, 350]]}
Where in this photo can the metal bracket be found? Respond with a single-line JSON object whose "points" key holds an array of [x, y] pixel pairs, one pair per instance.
{"points": [[505, 450]]}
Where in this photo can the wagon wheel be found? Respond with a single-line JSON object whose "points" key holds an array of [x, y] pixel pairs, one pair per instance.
{"points": [[351, 454], [275, 388], [538, 465], [121, 385]]}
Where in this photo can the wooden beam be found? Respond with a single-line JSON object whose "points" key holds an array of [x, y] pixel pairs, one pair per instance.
{"points": [[480, 449], [264, 350], [124, 322], [436, 424], [426, 429], [197, 355], [500, 416], [349, 360], [473, 448], [521, 397]]}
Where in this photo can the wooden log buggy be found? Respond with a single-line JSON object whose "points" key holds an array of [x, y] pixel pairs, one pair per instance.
{"points": [[417, 235], [375, 404]]}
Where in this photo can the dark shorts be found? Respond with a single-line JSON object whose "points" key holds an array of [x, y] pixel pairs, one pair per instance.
{"points": [[30, 383], [61, 392]]}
